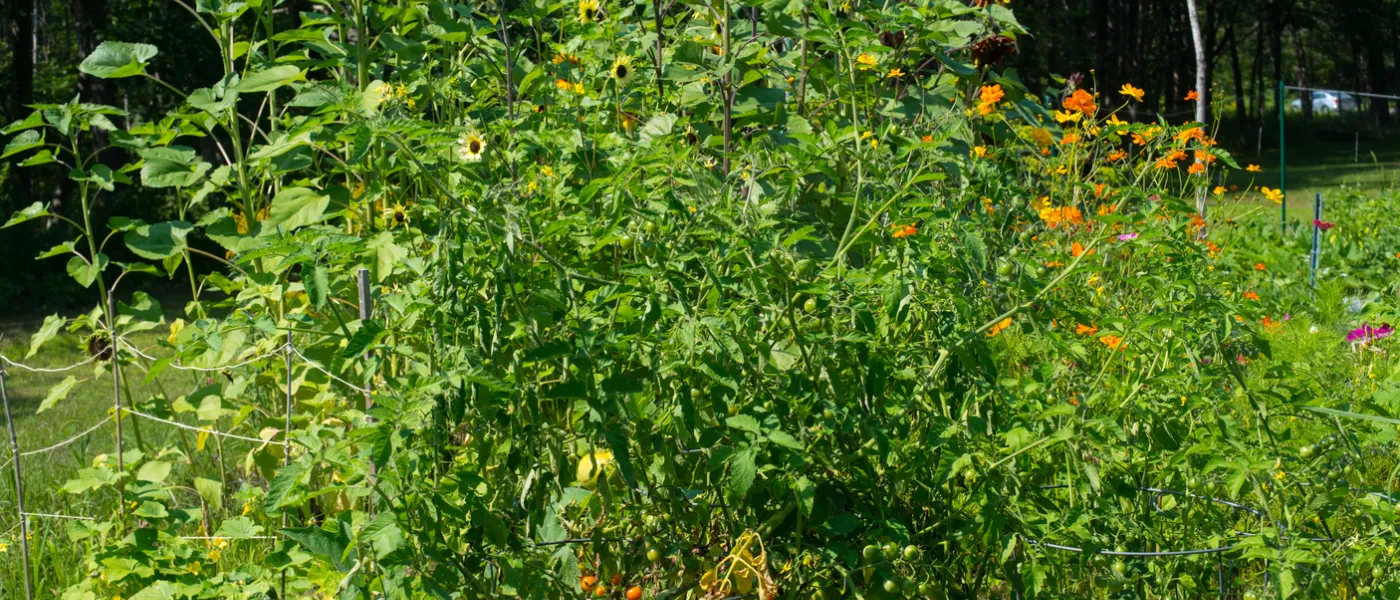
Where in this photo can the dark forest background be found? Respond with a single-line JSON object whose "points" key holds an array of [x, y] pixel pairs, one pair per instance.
{"points": [[1250, 45]]}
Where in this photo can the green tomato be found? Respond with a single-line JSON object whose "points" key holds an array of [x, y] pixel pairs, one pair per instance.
{"points": [[891, 551], [1004, 269], [891, 586], [818, 595], [810, 305], [911, 552], [1193, 484], [1120, 569], [924, 589], [1377, 573], [653, 555], [650, 228], [1250, 595], [908, 587], [871, 553], [625, 242], [1040, 271], [1306, 451]]}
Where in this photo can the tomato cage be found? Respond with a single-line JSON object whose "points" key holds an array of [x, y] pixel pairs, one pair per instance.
{"points": [[1160, 535]]}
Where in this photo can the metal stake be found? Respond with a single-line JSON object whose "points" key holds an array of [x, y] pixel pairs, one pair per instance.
{"points": [[116, 400], [1317, 242], [287, 437], [362, 279], [19, 489]]}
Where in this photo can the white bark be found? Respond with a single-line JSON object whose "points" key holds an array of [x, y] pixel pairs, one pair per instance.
{"points": [[1201, 84]]}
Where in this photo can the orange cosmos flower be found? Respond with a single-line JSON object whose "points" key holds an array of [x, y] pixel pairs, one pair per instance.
{"points": [[926, 139], [1112, 341], [991, 94], [1070, 138], [1117, 155], [1260, 267], [903, 231], [1081, 101], [1275, 196], [1251, 296], [999, 326], [1100, 189], [1086, 330], [1166, 163], [1196, 168], [1192, 96], [1077, 250], [1130, 91]]}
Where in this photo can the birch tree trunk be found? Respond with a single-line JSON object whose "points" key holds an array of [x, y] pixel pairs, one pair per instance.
{"points": [[1202, 86]]}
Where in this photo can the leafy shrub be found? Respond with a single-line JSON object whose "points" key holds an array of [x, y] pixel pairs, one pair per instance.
{"points": [[771, 300]]}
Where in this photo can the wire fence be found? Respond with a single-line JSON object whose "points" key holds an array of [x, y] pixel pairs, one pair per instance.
{"points": [[119, 345]]}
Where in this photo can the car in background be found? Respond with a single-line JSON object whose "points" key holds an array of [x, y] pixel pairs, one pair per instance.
{"points": [[1327, 101]]}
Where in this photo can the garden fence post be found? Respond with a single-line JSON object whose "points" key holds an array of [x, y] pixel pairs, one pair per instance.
{"points": [[1356, 150], [287, 437], [1317, 242], [116, 401], [19, 489], [362, 278], [1259, 144], [1282, 166]]}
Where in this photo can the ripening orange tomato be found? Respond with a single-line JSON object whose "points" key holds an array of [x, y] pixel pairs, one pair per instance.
{"points": [[586, 582], [634, 593], [616, 579], [600, 591]]}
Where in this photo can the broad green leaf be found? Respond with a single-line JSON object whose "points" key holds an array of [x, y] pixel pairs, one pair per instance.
{"points": [[317, 286], [295, 207], [173, 166], [154, 471], [362, 339], [52, 324], [34, 211], [112, 60], [282, 485], [27, 140], [212, 491], [1352, 415], [239, 528], [386, 254], [270, 79], [57, 393], [151, 510], [159, 240], [659, 126], [86, 273], [744, 422], [742, 472]]}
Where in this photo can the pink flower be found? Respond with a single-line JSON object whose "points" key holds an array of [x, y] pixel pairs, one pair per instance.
{"points": [[1128, 236], [1323, 225], [1366, 333]]}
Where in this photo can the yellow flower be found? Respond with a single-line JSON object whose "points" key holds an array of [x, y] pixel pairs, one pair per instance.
{"points": [[1253, 169], [1275, 196], [1219, 190], [895, 72], [1112, 341], [867, 61], [247, 508], [175, 327], [1131, 91], [979, 152], [470, 147], [215, 555], [578, 88], [4, 547], [1068, 117], [563, 84], [587, 10], [622, 69]]}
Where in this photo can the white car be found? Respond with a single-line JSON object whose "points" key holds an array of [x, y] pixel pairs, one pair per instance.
{"points": [[1327, 101]]}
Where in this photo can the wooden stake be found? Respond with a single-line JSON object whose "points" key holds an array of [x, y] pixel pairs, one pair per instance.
{"points": [[19, 489], [287, 437]]}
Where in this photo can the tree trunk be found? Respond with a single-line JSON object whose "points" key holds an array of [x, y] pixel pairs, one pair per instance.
{"points": [[1201, 84], [1258, 76], [1106, 78], [1276, 49], [1375, 74], [1240, 108], [1305, 96], [21, 86]]}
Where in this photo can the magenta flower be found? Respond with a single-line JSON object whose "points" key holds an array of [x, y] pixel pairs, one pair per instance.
{"points": [[1128, 236], [1366, 333], [1323, 225]]}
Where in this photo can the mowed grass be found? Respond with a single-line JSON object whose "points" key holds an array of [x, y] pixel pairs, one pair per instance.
{"points": [[1320, 158], [58, 562]]}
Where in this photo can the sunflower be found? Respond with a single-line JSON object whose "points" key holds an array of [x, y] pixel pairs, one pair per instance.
{"points": [[588, 10], [396, 213], [622, 69], [471, 148]]}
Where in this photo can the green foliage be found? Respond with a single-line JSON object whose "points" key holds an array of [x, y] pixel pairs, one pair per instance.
{"points": [[766, 289]]}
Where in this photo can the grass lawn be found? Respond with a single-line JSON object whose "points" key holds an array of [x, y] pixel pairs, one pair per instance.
{"points": [[1320, 159], [58, 562]]}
